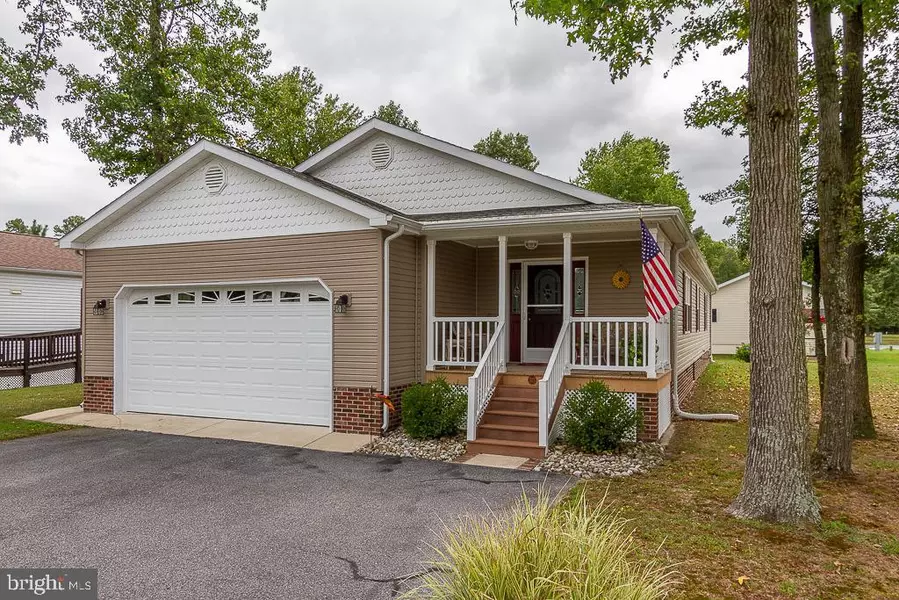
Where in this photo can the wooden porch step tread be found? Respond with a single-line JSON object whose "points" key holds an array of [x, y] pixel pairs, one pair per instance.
{"points": [[499, 412], [503, 427], [518, 386], [497, 395], [506, 448]]}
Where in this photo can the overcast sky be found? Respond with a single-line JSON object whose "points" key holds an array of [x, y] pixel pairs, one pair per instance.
{"points": [[462, 68]]}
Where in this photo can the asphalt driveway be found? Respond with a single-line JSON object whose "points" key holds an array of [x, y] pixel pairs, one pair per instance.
{"points": [[166, 516]]}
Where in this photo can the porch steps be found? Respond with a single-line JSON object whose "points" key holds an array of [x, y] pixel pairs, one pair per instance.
{"points": [[509, 424]]}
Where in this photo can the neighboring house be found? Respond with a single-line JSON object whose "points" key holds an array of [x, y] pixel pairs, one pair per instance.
{"points": [[40, 285], [730, 316], [241, 289]]}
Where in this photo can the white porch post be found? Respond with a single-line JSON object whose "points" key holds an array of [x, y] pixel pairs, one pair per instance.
{"points": [[503, 292], [432, 300], [566, 276], [650, 351]]}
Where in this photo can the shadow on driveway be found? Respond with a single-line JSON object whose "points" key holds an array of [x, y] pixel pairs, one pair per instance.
{"points": [[166, 516]]}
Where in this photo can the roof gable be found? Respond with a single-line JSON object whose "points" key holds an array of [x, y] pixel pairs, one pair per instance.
{"points": [[34, 253], [427, 175], [250, 205], [260, 199]]}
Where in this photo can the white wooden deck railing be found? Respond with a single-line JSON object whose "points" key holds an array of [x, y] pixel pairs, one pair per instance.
{"points": [[462, 341], [549, 386], [483, 382], [614, 344]]}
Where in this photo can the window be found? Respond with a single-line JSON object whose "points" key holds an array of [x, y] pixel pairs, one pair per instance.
{"points": [[317, 298], [580, 291], [141, 300], [714, 315], [688, 313], [260, 296], [287, 296], [187, 298], [162, 299], [237, 296], [209, 296], [516, 289]]}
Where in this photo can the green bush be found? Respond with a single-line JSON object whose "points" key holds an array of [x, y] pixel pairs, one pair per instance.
{"points": [[742, 352], [572, 551], [433, 410], [596, 419]]}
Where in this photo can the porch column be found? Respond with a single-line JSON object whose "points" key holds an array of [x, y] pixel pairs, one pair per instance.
{"points": [[432, 299], [503, 292], [566, 276]]}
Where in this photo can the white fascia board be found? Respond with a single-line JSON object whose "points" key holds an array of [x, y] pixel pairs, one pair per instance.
{"points": [[374, 125], [394, 221], [194, 154], [662, 212]]}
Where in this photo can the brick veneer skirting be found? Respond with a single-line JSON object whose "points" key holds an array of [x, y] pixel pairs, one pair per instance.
{"points": [[97, 394], [396, 397], [648, 405], [686, 380]]}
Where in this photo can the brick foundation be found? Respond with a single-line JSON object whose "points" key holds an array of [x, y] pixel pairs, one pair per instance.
{"points": [[686, 380], [648, 406], [97, 394], [396, 397], [357, 410]]}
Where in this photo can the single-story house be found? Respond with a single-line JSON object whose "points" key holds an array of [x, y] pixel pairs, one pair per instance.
{"points": [[237, 288], [40, 285], [730, 315]]}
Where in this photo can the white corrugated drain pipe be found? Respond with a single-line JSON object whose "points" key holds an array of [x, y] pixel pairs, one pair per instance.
{"points": [[386, 324], [675, 397]]}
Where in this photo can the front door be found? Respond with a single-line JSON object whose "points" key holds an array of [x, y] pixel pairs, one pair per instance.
{"points": [[543, 310]]}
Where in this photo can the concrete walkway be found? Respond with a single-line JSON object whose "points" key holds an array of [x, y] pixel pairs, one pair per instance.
{"points": [[278, 434]]}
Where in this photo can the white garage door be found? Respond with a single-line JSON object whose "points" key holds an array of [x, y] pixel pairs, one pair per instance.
{"points": [[256, 352]]}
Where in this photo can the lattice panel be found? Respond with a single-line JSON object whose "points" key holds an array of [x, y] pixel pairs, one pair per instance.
{"points": [[558, 429], [11, 382], [58, 377]]}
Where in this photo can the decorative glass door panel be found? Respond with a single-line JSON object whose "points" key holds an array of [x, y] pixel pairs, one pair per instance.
{"points": [[544, 310]]}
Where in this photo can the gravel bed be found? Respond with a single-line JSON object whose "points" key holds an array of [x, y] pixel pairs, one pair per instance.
{"points": [[397, 443], [630, 460]]}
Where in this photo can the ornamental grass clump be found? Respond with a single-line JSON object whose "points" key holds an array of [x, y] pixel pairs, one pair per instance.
{"points": [[540, 551]]}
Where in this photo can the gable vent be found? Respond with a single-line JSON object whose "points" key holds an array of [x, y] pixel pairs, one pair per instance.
{"points": [[381, 155], [214, 179]]}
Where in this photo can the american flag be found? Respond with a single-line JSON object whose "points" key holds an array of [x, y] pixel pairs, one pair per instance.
{"points": [[659, 286]]}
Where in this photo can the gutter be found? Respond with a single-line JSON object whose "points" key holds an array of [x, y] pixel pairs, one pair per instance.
{"points": [[675, 397], [401, 229]]}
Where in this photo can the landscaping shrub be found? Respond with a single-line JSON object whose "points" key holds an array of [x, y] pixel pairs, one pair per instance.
{"points": [[539, 551], [433, 410], [742, 352], [596, 419]]}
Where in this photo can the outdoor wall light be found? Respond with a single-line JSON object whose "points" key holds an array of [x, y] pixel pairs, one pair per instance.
{"points": [[531, 244], [100, 307], [342, 303]]}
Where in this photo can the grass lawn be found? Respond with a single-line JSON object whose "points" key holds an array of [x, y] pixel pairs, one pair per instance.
{"points": [[25, 401], [678, 508]]}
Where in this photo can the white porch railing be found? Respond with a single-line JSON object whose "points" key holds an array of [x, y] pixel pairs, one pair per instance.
{"points": [[462, 341], [549, 386], [616, 344], [483, 382]]}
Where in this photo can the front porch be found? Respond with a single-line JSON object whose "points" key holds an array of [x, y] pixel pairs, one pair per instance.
{"points": [[520, 320]]}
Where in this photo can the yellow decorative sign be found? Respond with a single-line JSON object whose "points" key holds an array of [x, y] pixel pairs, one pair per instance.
{"points": [[621, 279]]}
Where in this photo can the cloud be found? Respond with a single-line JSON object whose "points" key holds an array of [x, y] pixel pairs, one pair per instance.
{"points": [[461, 68]]}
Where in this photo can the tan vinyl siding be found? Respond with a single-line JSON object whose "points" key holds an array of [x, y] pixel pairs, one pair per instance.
{"points": [[692, 345], [406, 295], [348, 262], [603, 259], [456, 281]]}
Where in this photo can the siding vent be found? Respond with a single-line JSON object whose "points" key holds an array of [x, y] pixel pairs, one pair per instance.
{"points": [[381, 155], [214, 179]]}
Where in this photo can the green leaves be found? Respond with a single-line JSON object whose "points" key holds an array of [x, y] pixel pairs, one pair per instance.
{"points": [[68, 224], [634, 170], [512, 148], [393, 113], [19, 226], [293, 118]]}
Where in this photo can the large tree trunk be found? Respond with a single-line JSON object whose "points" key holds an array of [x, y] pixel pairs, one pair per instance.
{"points": [[817, 327], [853, 151], [834, 451], [777, 482]]}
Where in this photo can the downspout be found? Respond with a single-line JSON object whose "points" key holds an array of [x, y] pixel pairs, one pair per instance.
{"points": [[675, 398], [386, 353]]}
